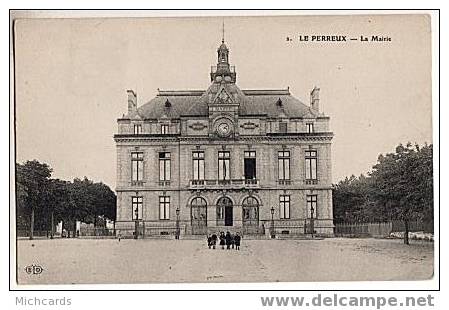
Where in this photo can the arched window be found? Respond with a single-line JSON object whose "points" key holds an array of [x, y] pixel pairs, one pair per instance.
{"points": [[198, 202], [250, 208], [199, 215]]}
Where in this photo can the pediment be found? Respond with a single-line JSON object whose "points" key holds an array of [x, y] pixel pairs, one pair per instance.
{"points": [[223, 97]]}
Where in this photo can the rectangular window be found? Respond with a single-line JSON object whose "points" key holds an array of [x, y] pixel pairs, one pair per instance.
{"points": [[164, 207], [224, 172], [164, 166], [284, 205], [136, 167], [282, 127], [137, 129], [309, 127], [164, 129], [312, 206], [284, 165], [311, 165], [250, 165], [198, 166], [137, 204]]}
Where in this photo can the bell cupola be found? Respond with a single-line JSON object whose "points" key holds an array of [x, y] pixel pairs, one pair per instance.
{"points": [[223, 71]]}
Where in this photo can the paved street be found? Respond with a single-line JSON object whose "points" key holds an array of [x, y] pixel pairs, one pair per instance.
{"points": [[66, 261]]}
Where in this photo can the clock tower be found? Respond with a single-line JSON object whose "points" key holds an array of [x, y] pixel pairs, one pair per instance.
{"points": [[223, 97]]}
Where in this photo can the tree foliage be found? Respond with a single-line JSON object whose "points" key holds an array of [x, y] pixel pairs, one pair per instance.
{"points": [[399, 187], [59, 200]]}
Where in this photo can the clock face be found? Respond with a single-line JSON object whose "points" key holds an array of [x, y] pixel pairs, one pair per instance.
{"points": [[224, 128]]}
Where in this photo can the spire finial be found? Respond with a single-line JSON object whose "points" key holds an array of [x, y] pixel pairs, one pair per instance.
{"points": [[222, 36]]}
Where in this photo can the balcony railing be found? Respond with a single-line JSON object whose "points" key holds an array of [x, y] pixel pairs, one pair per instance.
{"points": [[137, 183], [284, 182], [232, 183], [213, 69], [164, 183], [311, 182]]}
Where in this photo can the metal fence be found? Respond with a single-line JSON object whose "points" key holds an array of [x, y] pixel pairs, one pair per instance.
{"points": [[379, 229]]}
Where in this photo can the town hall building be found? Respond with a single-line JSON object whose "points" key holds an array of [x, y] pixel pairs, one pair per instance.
{"points": [[254, 162]]}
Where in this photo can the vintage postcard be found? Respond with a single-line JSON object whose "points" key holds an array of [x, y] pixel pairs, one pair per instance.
{"points": [[222, 149]]}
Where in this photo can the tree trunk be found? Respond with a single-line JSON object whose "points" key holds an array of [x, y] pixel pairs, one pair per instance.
{"points": [[47, 231], [406, 232], [67, 224], [32, 224], [75, 233], [95, 225], [52, 232]]}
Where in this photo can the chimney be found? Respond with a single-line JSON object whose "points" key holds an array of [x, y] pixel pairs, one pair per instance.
{"points": [[132, 101], [315, 99]]}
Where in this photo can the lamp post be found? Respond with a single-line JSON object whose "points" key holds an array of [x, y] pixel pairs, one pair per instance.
{"points": [[312, 226], [136, 223], [273, 235], [177, 223]]}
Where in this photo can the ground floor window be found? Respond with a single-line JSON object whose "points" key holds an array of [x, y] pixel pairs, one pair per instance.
{"points": [[164, 207], [312, 211], [284, 206], [137, 206]]}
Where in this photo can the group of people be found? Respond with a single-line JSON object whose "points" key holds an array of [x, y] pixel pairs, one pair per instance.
{"points": [[231, 241]]}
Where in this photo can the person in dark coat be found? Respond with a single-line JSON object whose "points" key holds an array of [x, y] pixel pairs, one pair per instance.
{"points": [[214, 240], [237, 239], [222, 240], [228, 240], [209, 241]]}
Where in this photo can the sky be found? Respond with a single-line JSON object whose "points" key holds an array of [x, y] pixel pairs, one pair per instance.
{"points": [[71, 79]]}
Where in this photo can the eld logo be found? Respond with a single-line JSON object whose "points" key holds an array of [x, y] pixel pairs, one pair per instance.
{"points": [[33, 269]]}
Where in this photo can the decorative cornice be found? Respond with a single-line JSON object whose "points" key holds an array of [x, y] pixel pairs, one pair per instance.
{"points": [[177, 138]]}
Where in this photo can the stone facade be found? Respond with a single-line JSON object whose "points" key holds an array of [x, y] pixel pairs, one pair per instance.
{"points": [[248, 161]]}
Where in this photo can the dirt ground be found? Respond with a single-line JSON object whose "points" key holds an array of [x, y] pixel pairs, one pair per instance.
{"points": [[75, 261]]}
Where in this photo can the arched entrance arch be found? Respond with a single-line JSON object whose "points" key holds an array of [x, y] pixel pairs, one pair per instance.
{"points": [[225, 214], [250, 211], [199, 215]]}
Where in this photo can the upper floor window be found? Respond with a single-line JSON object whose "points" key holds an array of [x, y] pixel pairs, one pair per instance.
{"points": [[165, 129], [198, 165], [249, 163], [309, 127], [164, 207], [137, 204], [283, 127], [284, 165], [284, 206], [224, 172], [136, 167], [137, 129], [164, 166], [311, 165], [312, 206]]}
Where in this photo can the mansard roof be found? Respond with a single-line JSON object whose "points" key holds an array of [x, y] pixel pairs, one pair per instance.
{"points": [[271, 103]]}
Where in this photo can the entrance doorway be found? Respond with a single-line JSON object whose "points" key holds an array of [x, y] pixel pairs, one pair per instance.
{"points": [[228, 216], [225, 212]]}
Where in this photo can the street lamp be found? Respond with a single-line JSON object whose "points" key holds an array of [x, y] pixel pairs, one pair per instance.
{"points": [[272, 223], [177, 223], [312, 226], [136, 223]]}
